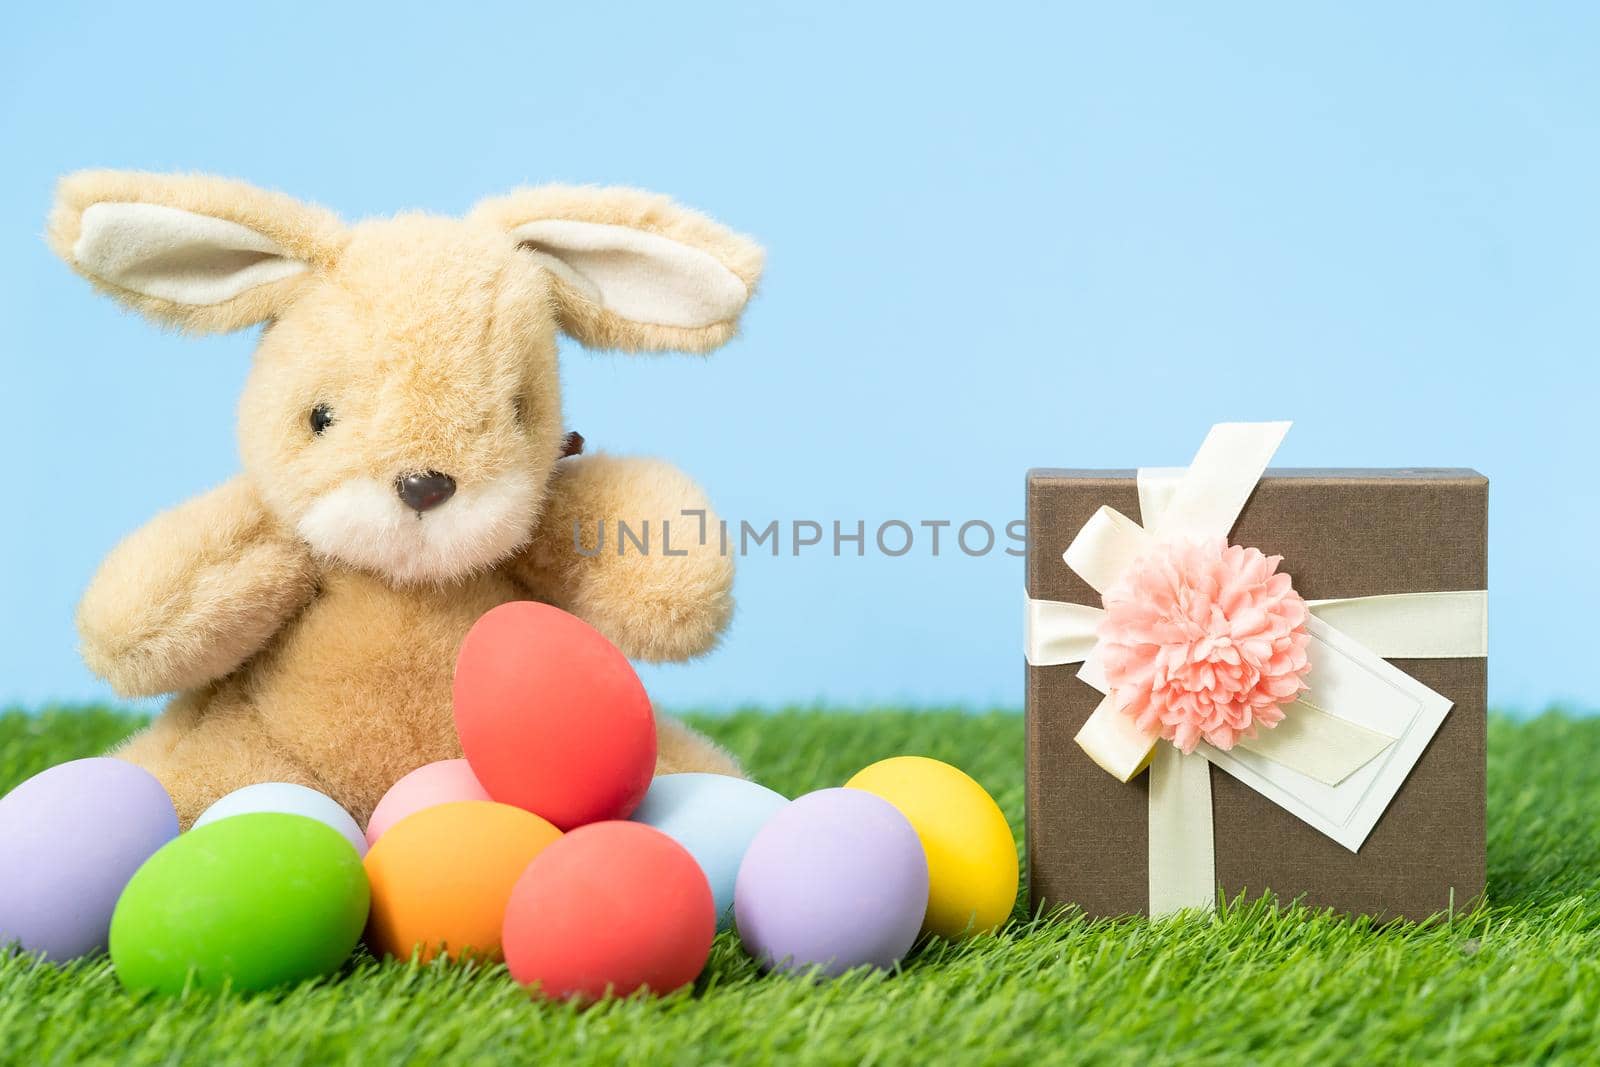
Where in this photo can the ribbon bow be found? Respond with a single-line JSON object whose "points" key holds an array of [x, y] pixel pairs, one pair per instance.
{"points": [[1341, 750]]}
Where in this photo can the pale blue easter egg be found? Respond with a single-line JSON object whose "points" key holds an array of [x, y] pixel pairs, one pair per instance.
{"points": [[715, 818], [287, 799]]}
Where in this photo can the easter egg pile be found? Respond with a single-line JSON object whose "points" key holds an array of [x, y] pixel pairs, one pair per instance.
{"points": [[549, 847]]}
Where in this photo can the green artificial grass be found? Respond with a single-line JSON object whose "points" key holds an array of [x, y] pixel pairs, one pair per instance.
{"points": [[1516, 982]]}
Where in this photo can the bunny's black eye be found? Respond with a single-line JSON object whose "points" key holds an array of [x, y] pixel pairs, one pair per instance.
{"points": [[321, 418]]}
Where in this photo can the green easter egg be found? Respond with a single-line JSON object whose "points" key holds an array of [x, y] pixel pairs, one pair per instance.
{"points": [[252, 902]]}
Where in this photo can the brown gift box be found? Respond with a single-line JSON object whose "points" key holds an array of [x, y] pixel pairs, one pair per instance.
{"points": [[1342, 533]]}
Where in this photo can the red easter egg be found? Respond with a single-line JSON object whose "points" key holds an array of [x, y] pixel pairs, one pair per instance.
{"points": [[609, 909], [552, 717]]}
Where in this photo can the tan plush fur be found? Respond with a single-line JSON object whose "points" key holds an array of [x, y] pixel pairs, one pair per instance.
{"points": [[306, 617]]}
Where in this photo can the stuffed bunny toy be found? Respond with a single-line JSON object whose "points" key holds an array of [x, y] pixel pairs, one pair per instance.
{"points": [[405, 467]]}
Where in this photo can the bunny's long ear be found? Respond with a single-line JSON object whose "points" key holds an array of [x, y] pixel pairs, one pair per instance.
{"points": [[632, 270], [200, 253]]}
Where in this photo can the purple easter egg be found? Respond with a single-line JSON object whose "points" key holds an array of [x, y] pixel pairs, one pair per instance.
{"points": [[70, 838], [835, 880]]}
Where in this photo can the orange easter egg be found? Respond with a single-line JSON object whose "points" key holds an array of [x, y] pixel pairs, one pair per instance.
{"points": [[441, 878]]}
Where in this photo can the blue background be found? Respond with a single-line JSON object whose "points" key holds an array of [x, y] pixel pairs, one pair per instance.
{"points": [[1000, 237]]}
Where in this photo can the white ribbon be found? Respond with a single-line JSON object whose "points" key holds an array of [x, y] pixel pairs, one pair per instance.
{"points": [[1448, 625], [1204, 500]]}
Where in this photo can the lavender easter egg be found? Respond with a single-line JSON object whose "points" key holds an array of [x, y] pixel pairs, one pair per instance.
{"points": [[837, 879], [70, 839]]}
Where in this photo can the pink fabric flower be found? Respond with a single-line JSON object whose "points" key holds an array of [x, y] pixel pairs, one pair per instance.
{"points": [[1204, 640]]}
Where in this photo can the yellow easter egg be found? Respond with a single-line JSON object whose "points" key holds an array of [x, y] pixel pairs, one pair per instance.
{"points": [[972, 856]]}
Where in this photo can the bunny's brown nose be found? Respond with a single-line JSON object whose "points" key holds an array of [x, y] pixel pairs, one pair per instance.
{"points": [[423, 492]]}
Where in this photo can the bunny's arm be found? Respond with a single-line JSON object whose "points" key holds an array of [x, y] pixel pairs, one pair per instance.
{"points": [[193, 594], [668, 602]]}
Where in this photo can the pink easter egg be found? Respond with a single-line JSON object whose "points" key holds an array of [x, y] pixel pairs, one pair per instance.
{"points": [[430, 785]]}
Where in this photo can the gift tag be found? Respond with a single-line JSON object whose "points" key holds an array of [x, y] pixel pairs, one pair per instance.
{"points": [[1349, 682]]}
